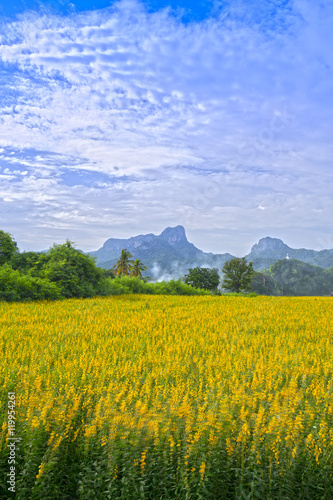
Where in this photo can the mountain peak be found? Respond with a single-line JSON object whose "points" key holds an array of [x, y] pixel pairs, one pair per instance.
{"points": [[174, 235], [269, 245]]}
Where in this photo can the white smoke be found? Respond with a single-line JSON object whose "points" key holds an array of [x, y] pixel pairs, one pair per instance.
{"points": [[157, 273]]}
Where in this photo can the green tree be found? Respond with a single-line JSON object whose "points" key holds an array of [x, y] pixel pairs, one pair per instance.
{"points": [[294, 277], [137, 268], [124, 265], [203, 277], [237, 275], [8, 247], [263, 283], [26, 262], [74, 272], [108, 273], [17, 286]]}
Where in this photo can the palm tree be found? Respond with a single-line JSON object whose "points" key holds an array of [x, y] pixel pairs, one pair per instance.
{"points": [[137, 268], [124, 264]]}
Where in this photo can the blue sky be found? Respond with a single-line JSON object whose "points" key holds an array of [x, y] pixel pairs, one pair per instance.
{"points": [[188, 10], [122, 118]]}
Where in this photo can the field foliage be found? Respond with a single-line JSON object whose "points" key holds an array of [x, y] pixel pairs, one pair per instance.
{"points": [[155, 397]]}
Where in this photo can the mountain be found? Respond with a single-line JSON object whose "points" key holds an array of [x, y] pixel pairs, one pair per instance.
{"points": [[167, 255], [170, 254], [268, 250]]}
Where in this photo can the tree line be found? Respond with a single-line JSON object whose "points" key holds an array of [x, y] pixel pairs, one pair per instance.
{"points": [[237, 276], [287, 277], [64, 272]]}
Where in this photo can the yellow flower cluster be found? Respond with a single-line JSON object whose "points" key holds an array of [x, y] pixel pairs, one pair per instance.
{"points": [[253, 375]]}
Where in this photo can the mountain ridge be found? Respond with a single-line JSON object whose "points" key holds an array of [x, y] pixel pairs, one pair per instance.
{"points": [[269, 250], [170, 254]]}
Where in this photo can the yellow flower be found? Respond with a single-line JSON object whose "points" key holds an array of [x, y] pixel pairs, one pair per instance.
{"points": [[143, 460], [40, 470], [202, 470]]}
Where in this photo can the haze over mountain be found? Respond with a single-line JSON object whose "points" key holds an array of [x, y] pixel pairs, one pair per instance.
{"points": [[170, 255]]}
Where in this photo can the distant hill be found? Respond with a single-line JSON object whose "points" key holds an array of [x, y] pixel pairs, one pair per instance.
{"points": [[269, 250], [170, 255], [294, 277]]}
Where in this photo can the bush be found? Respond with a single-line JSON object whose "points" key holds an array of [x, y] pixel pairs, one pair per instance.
{"points": [[126, 284], [177, 287], [17, 286]]}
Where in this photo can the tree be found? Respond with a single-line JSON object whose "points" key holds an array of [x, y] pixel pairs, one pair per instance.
{"points": [[237, 275], [294, 277], [137, 268], [108, 273], [26, 262], [74, 272], [124, 264], [17, 286], [263, 283], [8, 247], [203, 277]]}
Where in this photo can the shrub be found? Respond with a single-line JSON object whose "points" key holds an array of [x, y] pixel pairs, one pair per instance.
{"points": [[126, 284], [17, 286]]}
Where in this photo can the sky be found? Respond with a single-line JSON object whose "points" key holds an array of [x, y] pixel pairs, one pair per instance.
{"points": [[122, 118]]}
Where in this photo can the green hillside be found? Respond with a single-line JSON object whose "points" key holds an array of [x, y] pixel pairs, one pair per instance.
{"points": [[294, 277]]}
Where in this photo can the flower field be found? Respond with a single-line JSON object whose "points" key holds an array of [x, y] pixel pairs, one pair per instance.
{"points": [[168, 397]]}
